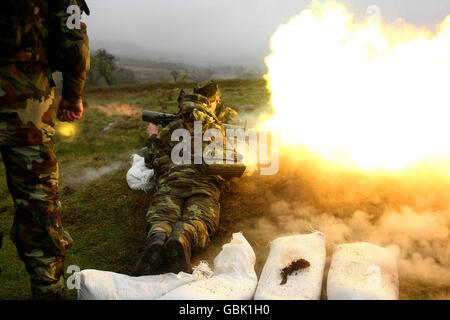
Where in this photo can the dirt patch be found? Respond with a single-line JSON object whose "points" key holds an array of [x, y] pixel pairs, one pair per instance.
{"points": [[67, 190], [119, 109], [294, 266], [74, 178]]}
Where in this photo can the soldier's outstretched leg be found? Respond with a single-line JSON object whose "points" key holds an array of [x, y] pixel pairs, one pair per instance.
{"points": [[199, 223], [164, 210], [151, 259], [163, 213], [40, 239], [177, 248], [202, 214]]}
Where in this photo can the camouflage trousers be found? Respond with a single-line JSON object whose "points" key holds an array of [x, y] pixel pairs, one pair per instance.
{"points": [[27, 149], [200, 212], [37, 231]]}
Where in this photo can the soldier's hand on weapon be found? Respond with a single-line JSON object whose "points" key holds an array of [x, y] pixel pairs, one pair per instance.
{"points": [[152, 129], [68, 111]]}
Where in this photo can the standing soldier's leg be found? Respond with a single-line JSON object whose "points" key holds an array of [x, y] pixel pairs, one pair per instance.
{"points": [[164, 211], [41, 241], [199, 223]]}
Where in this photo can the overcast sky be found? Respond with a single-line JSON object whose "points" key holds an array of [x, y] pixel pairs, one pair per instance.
{"points": [[219, 32]]}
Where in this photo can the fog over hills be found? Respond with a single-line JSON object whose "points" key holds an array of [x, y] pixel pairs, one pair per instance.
{"points": [[219, 32]]}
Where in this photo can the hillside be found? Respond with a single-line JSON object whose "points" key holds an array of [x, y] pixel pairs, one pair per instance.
{"points": [[107, 220]]}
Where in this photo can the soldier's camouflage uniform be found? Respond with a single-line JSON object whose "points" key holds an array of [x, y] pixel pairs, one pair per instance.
{"points": [[210, 90], [183, 192], [227, 114], [35, 41]]}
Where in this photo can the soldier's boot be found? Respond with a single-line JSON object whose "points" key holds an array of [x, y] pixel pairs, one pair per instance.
{"points": [[177, 249], [150, 261]]}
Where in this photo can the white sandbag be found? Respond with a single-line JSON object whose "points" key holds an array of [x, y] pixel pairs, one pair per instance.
{"points": [[362, 271], [139, 177], [234, 276], [305, 284], [105, 285]]}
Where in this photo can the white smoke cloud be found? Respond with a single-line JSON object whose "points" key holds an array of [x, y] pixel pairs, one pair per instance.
{"points": [[89, 174], [408, 212]]}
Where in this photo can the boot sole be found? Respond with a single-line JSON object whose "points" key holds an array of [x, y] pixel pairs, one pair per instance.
{"points": [[176, 257], [150, 262]]}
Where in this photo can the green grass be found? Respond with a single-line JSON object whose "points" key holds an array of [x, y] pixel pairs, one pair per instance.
{"points": [[105, 218]]}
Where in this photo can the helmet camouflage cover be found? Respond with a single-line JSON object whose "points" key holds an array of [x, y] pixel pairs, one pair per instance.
{"points": [[208, 89]]}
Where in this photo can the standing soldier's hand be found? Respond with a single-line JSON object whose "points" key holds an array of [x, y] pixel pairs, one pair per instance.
{"points": [[68, 111]]}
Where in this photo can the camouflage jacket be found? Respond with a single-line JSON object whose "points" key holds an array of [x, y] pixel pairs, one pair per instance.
{"points": [[227, 115], [160, 146], [36, 32]]}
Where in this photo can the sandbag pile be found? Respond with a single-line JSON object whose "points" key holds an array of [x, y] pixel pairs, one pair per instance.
{"points": [[302, 284], [362, 271], [105, 285], [233, 277], [294, 270]]}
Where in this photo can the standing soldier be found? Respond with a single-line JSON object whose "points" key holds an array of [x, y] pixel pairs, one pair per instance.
{"points": [[37, 38], [184, 213]]}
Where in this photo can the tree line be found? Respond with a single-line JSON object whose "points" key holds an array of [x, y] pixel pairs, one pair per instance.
{"points": [[106, 70]]}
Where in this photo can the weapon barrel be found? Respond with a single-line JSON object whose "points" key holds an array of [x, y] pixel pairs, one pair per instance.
{"points": [[158, 117]]}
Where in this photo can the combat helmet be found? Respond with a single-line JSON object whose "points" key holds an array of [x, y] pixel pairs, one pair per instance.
{"points": [[208, 89]]}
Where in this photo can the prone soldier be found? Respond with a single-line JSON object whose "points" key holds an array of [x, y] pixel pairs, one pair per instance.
{"points": [[185, 209]]}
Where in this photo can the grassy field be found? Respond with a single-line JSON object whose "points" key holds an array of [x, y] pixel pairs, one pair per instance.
{"points": [[105, 218]]}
